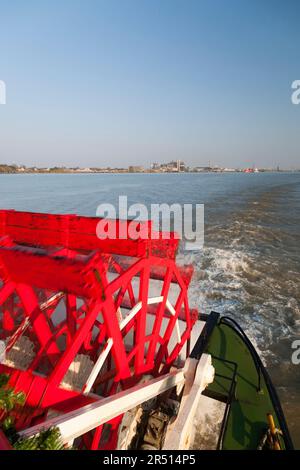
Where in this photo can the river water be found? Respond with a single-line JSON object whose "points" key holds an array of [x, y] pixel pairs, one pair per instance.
{"points": [[249, 266]]}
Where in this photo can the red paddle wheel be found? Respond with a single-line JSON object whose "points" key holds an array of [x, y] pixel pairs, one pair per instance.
{"points": [[83, 318]]}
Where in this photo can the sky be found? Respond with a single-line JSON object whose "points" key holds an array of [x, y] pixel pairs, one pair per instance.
{"points": [[130, 82]]}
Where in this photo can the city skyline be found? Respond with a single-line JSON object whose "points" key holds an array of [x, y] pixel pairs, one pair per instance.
{"points": [[128, 83], [174, 166]]}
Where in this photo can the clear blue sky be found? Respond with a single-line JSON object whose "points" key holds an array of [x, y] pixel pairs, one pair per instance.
{"points": [[135, 81]]}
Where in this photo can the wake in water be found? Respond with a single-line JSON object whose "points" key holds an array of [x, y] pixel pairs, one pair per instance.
{"points": [[250, 269]]}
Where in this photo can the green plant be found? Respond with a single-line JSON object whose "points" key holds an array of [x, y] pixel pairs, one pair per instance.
{"points": [[49, 439], [9, 399]]}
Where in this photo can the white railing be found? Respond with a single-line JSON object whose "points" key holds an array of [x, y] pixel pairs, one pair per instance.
{"points": [[76, 423]]}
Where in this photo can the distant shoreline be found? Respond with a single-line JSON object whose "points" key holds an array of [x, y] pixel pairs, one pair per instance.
{"points": [[9, 173]]}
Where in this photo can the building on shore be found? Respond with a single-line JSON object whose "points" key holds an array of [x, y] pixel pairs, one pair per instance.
{"points": [[174, 166], [136, 169]]}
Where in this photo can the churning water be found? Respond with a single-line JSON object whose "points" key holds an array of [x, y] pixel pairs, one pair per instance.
{"points": [[250, 264]]}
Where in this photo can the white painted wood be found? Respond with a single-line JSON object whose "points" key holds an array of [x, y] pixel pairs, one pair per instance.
{"points": [[75, 423], [51, 300], [173, 312], [179, 434], [2, 351], [97, 367]]}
